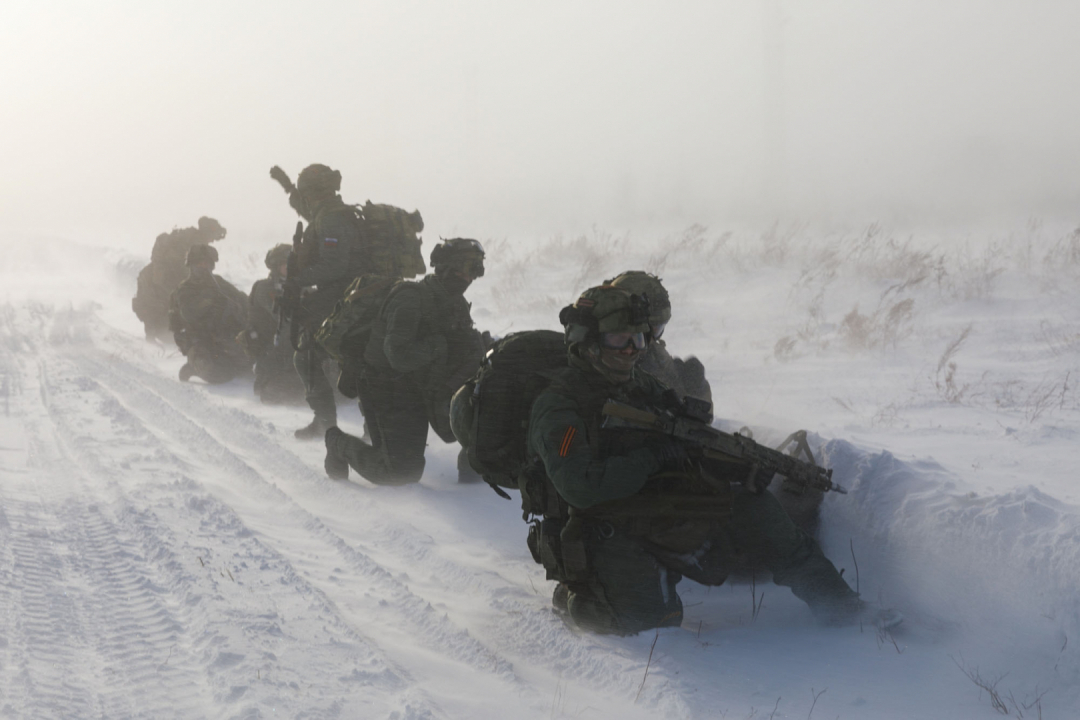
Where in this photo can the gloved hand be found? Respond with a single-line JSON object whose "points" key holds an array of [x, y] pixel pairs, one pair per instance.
{"points": [[671, 453], [758, 480]]}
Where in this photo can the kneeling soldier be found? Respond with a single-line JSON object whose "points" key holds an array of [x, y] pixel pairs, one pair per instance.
{"points": [[206, 313], [422, 348], [627, 513]]}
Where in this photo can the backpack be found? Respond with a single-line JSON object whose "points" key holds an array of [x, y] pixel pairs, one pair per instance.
{"points": [[491, 411], [396, 246], [345, 332]]}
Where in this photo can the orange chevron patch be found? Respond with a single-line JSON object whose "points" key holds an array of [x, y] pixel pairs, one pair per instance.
{"points": [[567, 441]]}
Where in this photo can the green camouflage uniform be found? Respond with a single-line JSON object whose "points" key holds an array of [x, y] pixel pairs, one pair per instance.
{"points": [[160, 279], [333, 253], [207, 314], [422, 348], [624, 544], [276, 379]]}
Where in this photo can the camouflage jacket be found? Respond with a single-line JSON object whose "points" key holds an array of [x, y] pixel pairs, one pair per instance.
{"points": [[425, 332], [586, 464], [262, 321], [169, 255], [209, 307], [333, 249]]}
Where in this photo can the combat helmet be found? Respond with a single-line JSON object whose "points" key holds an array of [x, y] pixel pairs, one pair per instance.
{"points": [[201, 253], [648, 286], [606, 309], [318, 180], [210, 229], [463, 253], [277, 255]]}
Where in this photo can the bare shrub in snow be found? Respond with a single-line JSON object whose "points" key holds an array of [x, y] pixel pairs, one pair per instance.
{"points": [[776, 244], [1065, 252], [945, 376], [976, 272], [885, 327]]}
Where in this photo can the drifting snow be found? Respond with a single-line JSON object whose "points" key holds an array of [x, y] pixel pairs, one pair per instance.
{"points": [[169, 550]]}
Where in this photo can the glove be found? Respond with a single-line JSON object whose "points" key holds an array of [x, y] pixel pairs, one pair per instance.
{"points": [[757, 480], [672, 454]]}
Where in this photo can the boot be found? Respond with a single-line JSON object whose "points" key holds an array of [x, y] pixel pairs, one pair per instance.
{"points": [[856, 611], [560, 598], [465, 472], [186, 371], [336, 466], [315, 429]]}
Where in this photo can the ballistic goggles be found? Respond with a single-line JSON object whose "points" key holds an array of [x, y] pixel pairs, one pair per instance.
{"points": [[621, 340], [466, 255]]}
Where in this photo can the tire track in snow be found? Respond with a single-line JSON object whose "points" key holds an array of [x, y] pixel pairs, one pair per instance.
{"points": [[165, 404], [42, 676], [519, 623], [213, 648], [82, 599]]}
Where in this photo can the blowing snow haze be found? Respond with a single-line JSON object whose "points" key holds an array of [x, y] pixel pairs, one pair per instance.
{"points": [[123, 119]]}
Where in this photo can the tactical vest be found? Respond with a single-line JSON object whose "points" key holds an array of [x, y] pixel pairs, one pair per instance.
{"points": [[344, 335], [677, 509]]}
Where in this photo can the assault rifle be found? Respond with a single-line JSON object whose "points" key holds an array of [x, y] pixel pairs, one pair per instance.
{"points": [[287, 302], [692, 426]]}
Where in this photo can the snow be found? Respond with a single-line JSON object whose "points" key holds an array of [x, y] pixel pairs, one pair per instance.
{"points": [[169, 550]]}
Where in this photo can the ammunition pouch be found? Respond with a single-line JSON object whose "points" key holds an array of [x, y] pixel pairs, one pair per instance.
{"points": [[574, 557], [348, 382], [545, 544]]}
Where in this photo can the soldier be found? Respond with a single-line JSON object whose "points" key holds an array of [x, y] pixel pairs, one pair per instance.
{"points": [[166, 271], [276, 380], [422, 348], [626, 514], [333, 252], [686, 377], [206, 313]]}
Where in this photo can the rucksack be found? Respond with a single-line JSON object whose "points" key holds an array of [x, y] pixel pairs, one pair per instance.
{"points": [[345, 332], [491, 411], [395, 232]]}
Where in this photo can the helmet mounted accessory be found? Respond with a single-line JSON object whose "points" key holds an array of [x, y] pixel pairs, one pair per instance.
{"points": [[318, 181], [650, 287], [277, 256], [464, 254], [607, 310]]}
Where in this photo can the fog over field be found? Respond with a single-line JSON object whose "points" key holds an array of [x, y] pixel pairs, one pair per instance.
{"points": [[123, 119], [868, 218]]}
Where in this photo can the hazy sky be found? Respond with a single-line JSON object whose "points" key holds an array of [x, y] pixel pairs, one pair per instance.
{"points": [[123, 119]]}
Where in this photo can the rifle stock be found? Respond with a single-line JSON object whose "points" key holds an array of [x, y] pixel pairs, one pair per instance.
{"points": [[723, 446]]}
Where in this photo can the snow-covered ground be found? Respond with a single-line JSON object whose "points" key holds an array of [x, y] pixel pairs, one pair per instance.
{"points": [[169, 550]]}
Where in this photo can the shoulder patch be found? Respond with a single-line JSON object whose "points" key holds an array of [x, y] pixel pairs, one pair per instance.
{"points": [[330, 241], [567, 441]]}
